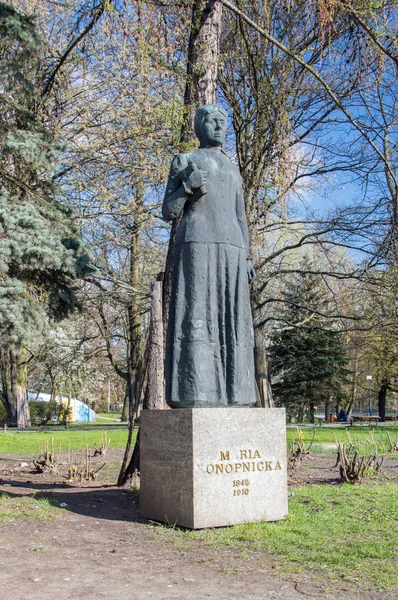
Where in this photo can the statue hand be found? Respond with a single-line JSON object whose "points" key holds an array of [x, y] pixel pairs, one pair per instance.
{"points": [[196, 179], [251, 273]]}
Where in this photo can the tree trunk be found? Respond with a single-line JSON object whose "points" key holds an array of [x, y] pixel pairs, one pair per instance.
{"points": [[300, 414], [14, 387], [382, 400], [127, 471], [200, 89], [134, 366], [130, 391], [203, 57], [153, 367], [312, 412], [154, 399], [354, 387], [261, 369], [126, 403], [328, 404]]}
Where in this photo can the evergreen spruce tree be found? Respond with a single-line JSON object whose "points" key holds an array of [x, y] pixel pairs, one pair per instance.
{"points": [[40, 253], [308, 358]]}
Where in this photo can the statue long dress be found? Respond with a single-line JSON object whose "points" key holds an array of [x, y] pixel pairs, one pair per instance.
{"points": [[209, 348]]}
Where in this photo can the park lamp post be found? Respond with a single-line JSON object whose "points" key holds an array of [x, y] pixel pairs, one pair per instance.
{"points": [[369, 379]]}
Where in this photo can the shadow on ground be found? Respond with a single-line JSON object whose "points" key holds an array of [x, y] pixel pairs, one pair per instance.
{"points": [[100, 502]]}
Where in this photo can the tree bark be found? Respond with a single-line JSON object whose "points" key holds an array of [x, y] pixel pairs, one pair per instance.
{"points": [[328, 403], [154, 399], [127, 472], [354, 386], [382, 395], [200, 89], [312, 412], [130, 391], [14, 387], [261, 368], [153, 367], [203, 57], [300, 413], [134, 362], [126, 403]]}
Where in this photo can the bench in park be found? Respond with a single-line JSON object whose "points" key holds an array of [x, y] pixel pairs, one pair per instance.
{"points": [[362, 419], [391, 418]]}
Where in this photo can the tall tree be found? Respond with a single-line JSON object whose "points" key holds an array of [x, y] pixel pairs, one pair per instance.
{"points": [[278, 111], [376, 348], [201, 86], [41, 254], [357, 79], [308, 360]]}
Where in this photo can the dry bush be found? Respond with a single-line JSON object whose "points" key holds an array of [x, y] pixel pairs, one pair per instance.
{"points": [[47, 461], [104, 444], [297, 452], [358, 460], [80, 470], [392, 444]]}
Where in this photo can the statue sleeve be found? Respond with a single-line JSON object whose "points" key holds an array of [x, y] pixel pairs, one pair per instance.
{"points": [[241, 215], [176, 193]]}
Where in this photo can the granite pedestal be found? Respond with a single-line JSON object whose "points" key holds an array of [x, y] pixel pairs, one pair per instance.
{"points": [[211, 467]]}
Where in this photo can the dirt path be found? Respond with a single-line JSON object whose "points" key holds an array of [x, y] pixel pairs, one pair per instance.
{"points": [[98, 547]]}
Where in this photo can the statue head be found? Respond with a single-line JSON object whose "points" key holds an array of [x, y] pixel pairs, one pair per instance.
{"points": [[210, 125]]}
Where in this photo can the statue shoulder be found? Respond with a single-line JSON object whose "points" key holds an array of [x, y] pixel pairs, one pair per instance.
{"points": [[179, 163], [235, 168]]}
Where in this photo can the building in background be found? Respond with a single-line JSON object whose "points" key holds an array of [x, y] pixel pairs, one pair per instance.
{"points": [[79, 410]]}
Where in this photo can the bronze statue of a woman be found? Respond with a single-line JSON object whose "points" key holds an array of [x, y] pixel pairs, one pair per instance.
{"points": [[209, 349]]}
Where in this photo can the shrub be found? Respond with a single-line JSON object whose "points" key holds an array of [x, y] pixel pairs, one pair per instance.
{"points": [[63, 413], [40, 412], [3, 414], [43, 412]]}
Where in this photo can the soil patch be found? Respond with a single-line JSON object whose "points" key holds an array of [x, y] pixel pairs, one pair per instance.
{"points": [[321, 469], [97, 546]]}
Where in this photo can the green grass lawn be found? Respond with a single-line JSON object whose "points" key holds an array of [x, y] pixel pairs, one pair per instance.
{"points": [[109, 418], [332, 531], [329, 435], [101, 419], [22, 441], [27, 442], [335, 532]]}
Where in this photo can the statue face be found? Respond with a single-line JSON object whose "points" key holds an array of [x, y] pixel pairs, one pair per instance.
{"points": [[213, 129]]}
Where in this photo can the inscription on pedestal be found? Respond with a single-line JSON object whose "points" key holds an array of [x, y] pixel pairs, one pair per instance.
{"points": [[200, 468], [242, 464], [246, 461]]}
